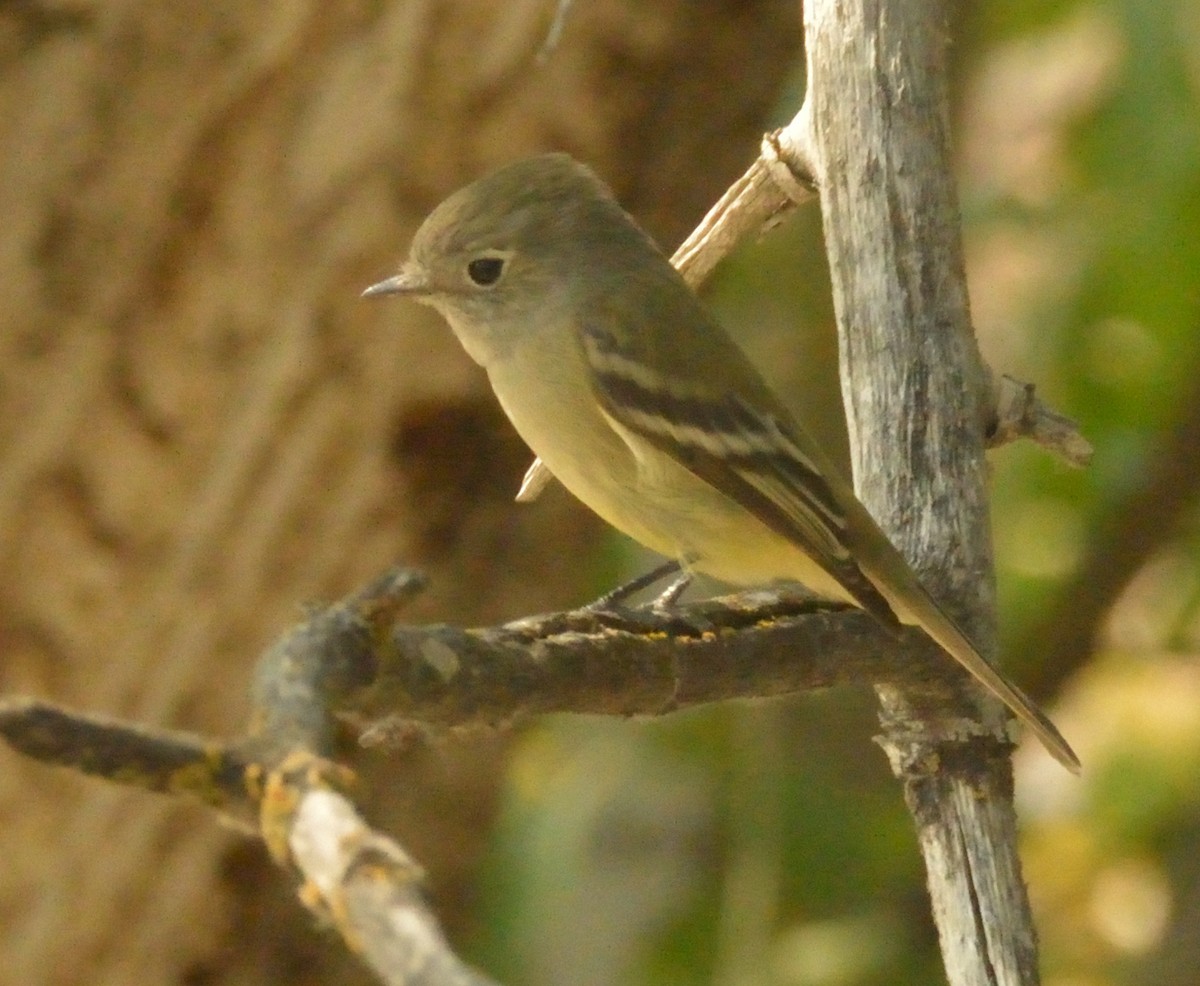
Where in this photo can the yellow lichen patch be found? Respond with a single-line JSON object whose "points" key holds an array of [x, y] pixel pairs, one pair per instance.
{"points": [[199, 777], [276, 810]]}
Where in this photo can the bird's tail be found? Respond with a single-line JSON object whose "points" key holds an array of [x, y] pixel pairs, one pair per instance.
{"points": [[916, 607]]}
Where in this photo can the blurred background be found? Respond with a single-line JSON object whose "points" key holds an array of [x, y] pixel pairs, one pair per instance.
{"points": [[202, 428]]}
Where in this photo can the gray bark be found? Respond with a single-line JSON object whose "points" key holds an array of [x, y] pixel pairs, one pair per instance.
{"points": [[915, 395]]}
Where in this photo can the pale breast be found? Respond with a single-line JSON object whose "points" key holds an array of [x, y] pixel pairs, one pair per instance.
{"points": [[639, 489]]}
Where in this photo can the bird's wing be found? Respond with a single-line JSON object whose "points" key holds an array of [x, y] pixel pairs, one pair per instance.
{"points": [[751, 454], [734, 435]]}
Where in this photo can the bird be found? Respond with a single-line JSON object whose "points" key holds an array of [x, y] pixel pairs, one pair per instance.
{"points": [[638, 401]]}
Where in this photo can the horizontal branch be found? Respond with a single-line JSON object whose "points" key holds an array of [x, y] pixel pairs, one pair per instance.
{"points": [[636, 662], [350, 662], [156, 760]]}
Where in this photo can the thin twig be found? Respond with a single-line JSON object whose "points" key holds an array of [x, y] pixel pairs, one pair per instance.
{"points": [[1018, 412], [137, 756]]}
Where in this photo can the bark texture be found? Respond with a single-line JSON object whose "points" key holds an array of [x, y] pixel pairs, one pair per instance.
{"points": [[916, 397], [201, 426]]}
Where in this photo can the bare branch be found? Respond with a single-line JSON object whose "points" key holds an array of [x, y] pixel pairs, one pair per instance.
{"points": [[1017, 412], [348, 662], [360, 880], [343, 663], [755, 645], [778, 181], [153, 760]]}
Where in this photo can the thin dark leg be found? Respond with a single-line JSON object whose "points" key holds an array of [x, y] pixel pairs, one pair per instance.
{"points": [[623, 592]]}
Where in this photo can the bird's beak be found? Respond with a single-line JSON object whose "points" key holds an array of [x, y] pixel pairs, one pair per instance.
{"points": [[411, 280]]}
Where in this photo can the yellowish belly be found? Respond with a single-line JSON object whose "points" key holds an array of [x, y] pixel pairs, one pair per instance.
{"points": [[648, 495]]}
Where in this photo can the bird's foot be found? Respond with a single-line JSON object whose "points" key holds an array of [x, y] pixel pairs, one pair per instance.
{"points": [[615, 598]]}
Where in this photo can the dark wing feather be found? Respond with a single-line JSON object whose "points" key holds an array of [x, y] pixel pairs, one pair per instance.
{"points": [[747, 454]]}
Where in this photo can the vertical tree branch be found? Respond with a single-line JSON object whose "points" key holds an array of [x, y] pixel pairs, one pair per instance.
{"points": [[915, 391]]}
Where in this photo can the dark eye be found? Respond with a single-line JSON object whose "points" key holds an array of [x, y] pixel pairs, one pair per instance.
{"points": [[485, 271]]}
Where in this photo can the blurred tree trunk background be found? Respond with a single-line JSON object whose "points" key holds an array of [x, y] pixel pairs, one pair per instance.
{"points": [[201, 426]]}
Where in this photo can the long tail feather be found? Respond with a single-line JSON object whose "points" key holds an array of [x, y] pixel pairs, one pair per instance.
{"points": [[924, 611]]}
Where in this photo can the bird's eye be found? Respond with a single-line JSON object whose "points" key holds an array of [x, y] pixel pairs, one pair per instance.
{"points": [[485, 271]]}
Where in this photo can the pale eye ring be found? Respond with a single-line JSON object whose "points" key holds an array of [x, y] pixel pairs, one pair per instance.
{"points": [[485, 271]]}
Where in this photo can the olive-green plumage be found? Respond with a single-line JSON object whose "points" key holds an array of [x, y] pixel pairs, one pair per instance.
{"points": [[616, 375]]}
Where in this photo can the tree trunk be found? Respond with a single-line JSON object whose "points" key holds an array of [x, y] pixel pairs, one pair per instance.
{"points": [[915, 391]]}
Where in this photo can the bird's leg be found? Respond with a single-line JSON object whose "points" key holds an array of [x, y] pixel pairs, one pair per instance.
{"points": [[670, 595], [624, 591]]}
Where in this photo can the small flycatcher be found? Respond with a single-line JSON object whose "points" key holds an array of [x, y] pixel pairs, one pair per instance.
{"points": [[616, 375]]}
